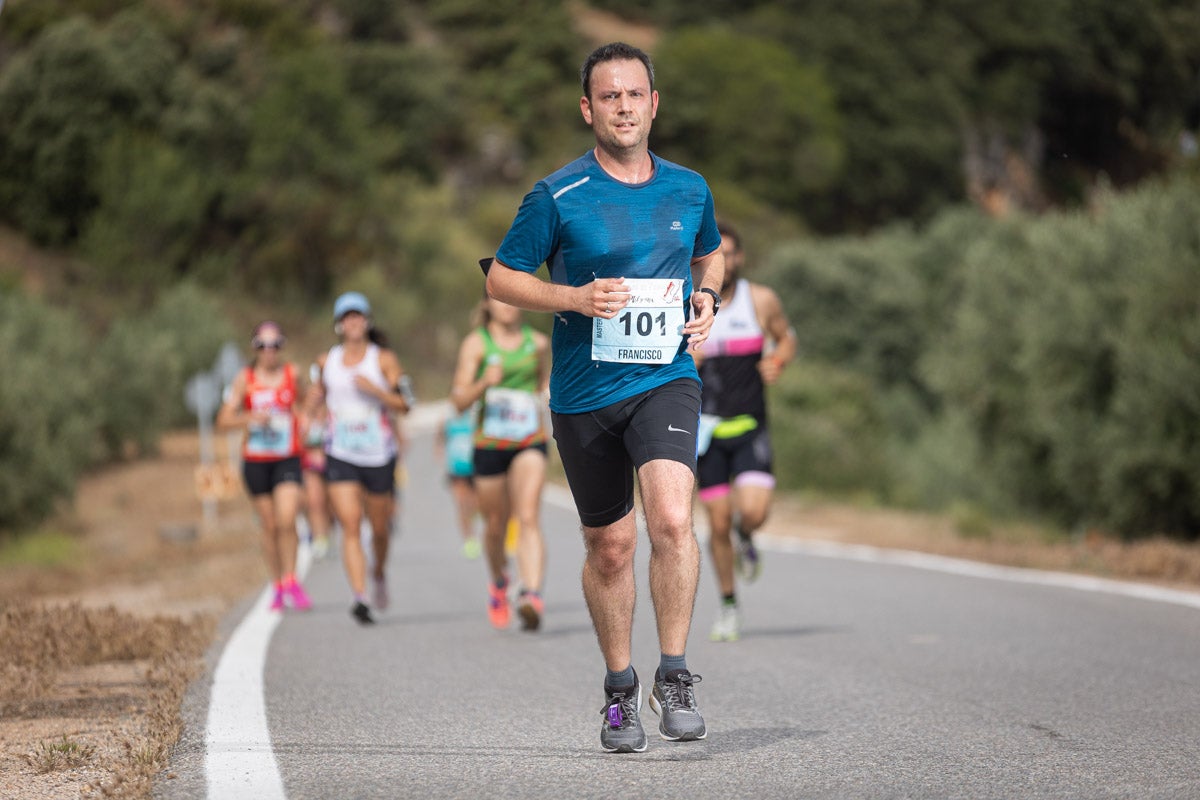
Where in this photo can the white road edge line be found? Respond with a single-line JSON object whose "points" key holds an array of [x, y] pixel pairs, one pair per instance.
{"points": [[560, 496], [958, 566], [239, 759]]}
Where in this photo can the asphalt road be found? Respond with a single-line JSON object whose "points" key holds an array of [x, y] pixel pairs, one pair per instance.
{"points": [[852, 679]]}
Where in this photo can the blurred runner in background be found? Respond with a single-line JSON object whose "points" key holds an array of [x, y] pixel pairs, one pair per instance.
{"points": [[263, 401], [748, 346], [360, 387], [312, 464], [504, 366], [455, 446]]}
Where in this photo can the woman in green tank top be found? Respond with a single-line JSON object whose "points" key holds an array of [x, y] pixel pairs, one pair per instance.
{"points": [[504, 365]]}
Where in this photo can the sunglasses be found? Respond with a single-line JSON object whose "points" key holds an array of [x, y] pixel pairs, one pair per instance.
{"points": [[260, 344]]}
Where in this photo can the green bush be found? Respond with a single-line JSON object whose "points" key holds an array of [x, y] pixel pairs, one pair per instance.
{"points": [[412, 98], [781, 113], [1148, 453], [1043, 366], [1072, 355], [145, 362], [58, 101], [48, 409], [826, 432], [874, 304], [151, 215]]}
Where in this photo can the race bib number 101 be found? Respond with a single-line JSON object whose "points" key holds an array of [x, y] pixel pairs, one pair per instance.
{"points": [[649, 327]]}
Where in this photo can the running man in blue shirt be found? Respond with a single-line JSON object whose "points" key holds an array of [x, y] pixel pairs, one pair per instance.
{"points": [[635, 264]]}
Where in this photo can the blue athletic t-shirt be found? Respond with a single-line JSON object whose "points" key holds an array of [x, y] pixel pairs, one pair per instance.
{"points": [[584, 224]]}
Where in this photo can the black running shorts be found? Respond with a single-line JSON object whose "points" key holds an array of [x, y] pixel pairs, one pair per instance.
{"points": [[725, 459], [376, 480], [263, 476], [489, 463], [601, 449]]}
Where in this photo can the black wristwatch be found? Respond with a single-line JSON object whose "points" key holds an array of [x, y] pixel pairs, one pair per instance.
{"points": [[716, 298]]}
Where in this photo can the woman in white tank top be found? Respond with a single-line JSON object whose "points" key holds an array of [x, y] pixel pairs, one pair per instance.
{"points": [[360, 386]]}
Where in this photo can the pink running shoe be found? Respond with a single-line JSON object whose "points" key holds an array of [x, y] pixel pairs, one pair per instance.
{"points": [[277, 600], [299, 597]]}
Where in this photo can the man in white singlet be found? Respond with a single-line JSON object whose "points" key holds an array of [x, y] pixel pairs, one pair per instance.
{"points": [[747, 348]]}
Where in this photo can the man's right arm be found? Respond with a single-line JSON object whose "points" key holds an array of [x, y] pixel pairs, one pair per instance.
{"points": [[604, 297], [523, 290]]}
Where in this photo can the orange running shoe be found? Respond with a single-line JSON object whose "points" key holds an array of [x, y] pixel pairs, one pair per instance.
{"points": [[498, 610]]}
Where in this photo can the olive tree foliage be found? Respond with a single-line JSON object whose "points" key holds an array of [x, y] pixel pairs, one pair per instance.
{"points": [[304, 196], [62, 100], [71, 399], [412, 99], [1072, 353], [1037, 366], [372, 19], [47, 428], [146, 359], [519, 73], [1149, 450], [743, 109], [896, 73], [152, 211]]}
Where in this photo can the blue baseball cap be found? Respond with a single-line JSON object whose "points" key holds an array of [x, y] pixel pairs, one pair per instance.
{"points": [[350, 301]]}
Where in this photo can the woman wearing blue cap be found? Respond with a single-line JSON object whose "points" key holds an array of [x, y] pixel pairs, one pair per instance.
{"points": [[360, 385]]}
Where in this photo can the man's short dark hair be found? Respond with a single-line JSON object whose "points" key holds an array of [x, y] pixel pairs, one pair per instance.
{"points": [[615, 51]]}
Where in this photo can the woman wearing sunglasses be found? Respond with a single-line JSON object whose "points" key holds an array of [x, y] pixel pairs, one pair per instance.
{"points": [[262, 401], [362, 388]]}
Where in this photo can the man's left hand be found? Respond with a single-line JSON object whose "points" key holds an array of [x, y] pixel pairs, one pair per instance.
{"points": [[701, 322]]}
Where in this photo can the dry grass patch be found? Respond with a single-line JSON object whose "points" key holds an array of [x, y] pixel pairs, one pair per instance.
{"points": [[55, 756], [91, 697]]}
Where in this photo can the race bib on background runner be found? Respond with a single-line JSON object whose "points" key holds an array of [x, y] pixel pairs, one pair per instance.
{"points": [[509, 414], [358, 429], [648, 329], [274, 438]]}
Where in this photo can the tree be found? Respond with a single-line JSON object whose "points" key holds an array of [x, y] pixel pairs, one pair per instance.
{"points": [[743, 109], [409, 95], [61, 101], [46, 436]]}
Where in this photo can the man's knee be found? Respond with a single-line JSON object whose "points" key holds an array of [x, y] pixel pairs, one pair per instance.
{"points": [[671, 526], [611, 555]]}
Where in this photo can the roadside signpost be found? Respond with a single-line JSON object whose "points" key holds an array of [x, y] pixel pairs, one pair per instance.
{"points": [[203, 395], [226, 368]]}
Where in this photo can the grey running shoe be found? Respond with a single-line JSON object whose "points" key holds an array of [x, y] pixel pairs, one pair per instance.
{"points": [[746, 558], [674, 700], [727, 628], [621, 731]]}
